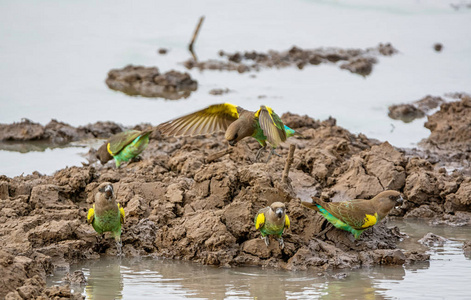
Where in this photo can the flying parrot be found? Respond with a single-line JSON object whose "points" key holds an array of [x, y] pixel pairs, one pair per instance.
{"points": [[264, 125], [106, 214], [123, 146], [357, 215], [272, 220]]}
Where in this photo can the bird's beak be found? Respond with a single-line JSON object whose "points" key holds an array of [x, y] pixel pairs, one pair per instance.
{"points": [[109, 191], [232, 143], [279, 212], [400, 200]]}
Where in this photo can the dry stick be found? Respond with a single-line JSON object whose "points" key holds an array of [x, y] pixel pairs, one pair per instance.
{"points": [[289, 161], [214, 156], [195, 34]]}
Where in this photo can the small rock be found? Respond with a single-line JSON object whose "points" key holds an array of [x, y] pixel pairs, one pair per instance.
{"points": [[438, 47], [431, 239], [75, 278], [162, 51]]}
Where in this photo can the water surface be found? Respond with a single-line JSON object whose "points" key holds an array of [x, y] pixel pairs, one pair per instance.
{"points": [[445, 276], [55, 56]]}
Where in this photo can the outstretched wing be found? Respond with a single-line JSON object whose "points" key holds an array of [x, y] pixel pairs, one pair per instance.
{"points": [[359, 214], [209, 120], [287, 223], [121, 214], [91, 214], [118, 141], [272, 126], [259, 220]]}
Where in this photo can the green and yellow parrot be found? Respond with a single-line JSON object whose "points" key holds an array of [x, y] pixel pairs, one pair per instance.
{"points": [[123, 146], [357, 215], [106, 214], [264, 125], [272, 220]]}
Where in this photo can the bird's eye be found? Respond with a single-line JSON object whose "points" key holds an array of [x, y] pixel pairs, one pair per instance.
{"points": [[392, 197]]}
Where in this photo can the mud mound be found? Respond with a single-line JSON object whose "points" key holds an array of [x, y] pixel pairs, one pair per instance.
{"points": [[359, 61], [55, 132], [450, 126], [179, 206], [418, 109], [149, 82]]}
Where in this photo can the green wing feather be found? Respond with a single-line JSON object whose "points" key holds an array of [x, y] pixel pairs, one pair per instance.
{"points": [[118, 141], [212, 119], [272, 126], [359, 214]]}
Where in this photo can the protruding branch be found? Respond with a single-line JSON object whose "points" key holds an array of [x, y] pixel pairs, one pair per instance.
{"points": [[289, 161], [195, 34]]}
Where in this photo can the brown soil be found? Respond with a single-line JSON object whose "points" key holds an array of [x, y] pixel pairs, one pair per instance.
{"points": [[418, 109], [180, 206], [149, 82], [359, 61]]}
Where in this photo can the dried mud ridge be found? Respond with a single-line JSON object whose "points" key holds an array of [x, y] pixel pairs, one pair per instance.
{"points": [[178, 206], [149, 82], [418, 109], [358, 61]]}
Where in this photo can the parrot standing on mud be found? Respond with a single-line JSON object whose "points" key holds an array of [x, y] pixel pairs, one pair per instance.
{"points": [[263, 125], [272, 220], [106, 214], [123, 146], [357, 215]]}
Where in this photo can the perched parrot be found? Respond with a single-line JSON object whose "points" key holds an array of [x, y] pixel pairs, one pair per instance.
{"points": [[272, 220], [106, 214], [263, 125], [357, 215], [123, 146]]}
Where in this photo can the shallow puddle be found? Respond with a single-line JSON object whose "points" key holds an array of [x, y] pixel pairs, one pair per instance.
{"points": [[148, 278]]}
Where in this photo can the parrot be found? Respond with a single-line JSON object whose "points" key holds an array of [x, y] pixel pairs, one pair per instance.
{"points": [[272, 220], [106, 214], [123, 146], [355, 216], [263, 125]]}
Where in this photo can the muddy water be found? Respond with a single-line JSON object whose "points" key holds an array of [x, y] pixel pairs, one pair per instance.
{"points": [[147, 278], [55, 56]]}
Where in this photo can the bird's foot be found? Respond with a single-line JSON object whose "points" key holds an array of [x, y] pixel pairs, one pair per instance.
{"points": [[271, 153], [282, 244], [259, 153], [135, 159], [266, 239], [119, 245]]}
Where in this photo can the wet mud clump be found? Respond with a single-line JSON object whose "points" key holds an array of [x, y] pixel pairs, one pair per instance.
{"points": [[149, 82], [359, 61], [27, 135], [418, 109], [180, 205]]}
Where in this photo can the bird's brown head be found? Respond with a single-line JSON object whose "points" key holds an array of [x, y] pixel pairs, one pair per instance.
{"points": [[279, 209], [107, 190], [238, 130], [387, 200], [103, 155]]}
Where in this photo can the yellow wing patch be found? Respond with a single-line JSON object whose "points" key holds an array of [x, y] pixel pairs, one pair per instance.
{"points": [[370, 220], [121, 214], [227, 108], [109, 150], [287, 223], [91, 214], [260, 221]]}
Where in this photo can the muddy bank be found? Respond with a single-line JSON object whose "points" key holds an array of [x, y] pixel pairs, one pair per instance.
{"points": [[149, 82], [415, 110], [180, 206], [359, 61], [55, 132]]}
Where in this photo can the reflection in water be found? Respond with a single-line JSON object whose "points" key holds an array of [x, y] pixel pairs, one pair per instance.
{"points": [[150, 278]]}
